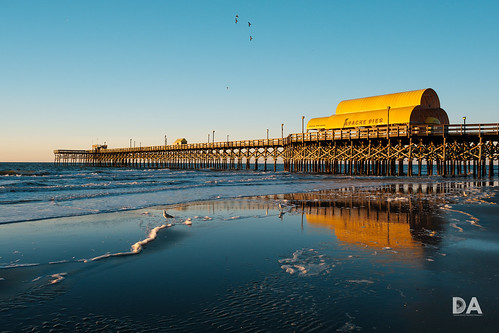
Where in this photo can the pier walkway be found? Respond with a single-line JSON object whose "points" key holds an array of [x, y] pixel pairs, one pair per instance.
{"points": [[470, 149]]}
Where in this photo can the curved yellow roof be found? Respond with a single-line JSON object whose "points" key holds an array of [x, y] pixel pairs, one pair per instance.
{"points": [[413, 107], [424, 97], [408, 114], [317, 123]]}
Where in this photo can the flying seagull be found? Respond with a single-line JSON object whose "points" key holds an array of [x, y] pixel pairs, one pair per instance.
{"points": [[249, 24], [237, 16], [251, 38]]}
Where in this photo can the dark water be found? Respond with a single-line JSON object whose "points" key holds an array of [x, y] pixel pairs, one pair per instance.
{"points": [[366, 255]]}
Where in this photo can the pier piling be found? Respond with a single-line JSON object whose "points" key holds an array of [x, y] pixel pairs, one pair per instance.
{"points": [[448, 150]]}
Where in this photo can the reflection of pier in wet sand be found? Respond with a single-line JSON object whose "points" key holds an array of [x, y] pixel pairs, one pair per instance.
{"points": [[297, 262], [391, 217]]}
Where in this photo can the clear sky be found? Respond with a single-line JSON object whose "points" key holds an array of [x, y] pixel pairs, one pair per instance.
{"points": [[74, 73]]}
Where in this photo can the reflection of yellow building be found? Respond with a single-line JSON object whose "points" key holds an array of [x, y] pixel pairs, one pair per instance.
{"points": [[410, 107], [362, 226]]}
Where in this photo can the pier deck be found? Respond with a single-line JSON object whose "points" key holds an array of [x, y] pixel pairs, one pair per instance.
{"points": [[382, 150]]}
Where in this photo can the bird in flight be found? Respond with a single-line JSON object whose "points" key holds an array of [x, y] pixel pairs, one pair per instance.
{"points": [[237, 16], [251, 38], [249, 24]]}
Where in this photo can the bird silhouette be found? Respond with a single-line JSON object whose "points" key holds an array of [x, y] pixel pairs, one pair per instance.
{"points": [[249, 24], [237, 16], [166, 215], [251, 38]]}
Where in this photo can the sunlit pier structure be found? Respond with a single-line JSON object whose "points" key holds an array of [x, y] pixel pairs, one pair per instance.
{"points": [[396, 134]]}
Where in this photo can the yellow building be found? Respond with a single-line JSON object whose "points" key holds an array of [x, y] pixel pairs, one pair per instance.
{"points": [[181, 141], [98, 147], [410, 107]]}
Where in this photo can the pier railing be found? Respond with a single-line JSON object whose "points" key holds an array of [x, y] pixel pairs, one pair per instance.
{"points": [[448, 149], [359, 133], [396, 131], [192, 146]]}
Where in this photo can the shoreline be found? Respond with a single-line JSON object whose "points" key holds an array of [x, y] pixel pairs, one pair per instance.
{"points": [[344, 182], [317, 259]]}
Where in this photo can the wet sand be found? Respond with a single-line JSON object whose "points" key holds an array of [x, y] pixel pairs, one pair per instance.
{"points": [[388, 258]]}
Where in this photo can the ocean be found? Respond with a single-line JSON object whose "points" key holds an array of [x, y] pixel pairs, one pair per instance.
{"points": [[153, 250], [33, 191]]}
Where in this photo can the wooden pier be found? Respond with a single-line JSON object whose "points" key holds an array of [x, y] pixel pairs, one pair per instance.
{"points": [[447, 150]]}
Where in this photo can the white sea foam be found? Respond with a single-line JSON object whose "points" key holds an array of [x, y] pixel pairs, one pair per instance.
{"points": [[19, 265], [306, 263], [301, 268], [361, 281], [473, 220], [454, 225], [135, 248], [58, 262], [58, 277]]}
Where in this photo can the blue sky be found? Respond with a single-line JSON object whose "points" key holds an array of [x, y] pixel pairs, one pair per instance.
{"points": [[74, 72]]}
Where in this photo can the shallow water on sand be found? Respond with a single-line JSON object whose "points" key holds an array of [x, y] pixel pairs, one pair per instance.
{"points": [[385, 258], [34, 191]]}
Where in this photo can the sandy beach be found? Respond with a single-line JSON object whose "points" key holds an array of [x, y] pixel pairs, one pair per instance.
{"points": [[385, 258]]}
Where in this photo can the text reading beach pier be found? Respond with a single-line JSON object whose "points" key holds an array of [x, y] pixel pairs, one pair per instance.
{"points": [[394, 134]]}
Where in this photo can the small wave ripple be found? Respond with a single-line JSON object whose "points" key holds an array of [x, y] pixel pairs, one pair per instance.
{"points": [[34, 191]]}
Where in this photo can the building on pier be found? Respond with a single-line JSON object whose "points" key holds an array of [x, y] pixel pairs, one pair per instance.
{"points": [[181, 141], [394, 134], [415, 107]]}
